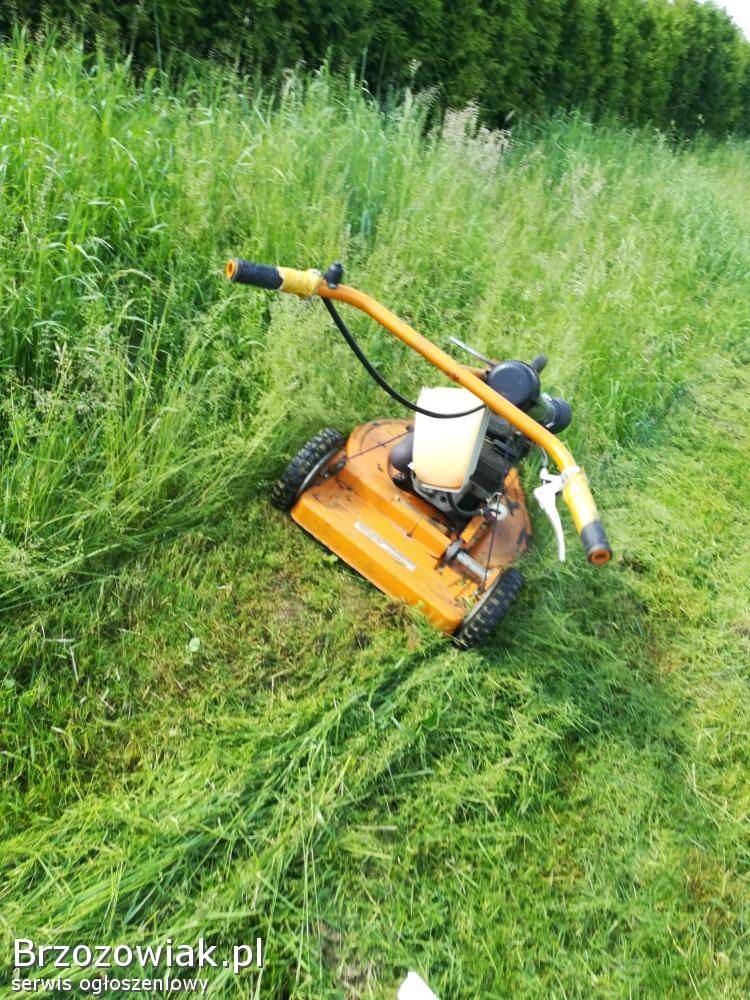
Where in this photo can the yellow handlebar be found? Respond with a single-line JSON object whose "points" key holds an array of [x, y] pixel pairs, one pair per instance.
{"points": [[576, 492]]}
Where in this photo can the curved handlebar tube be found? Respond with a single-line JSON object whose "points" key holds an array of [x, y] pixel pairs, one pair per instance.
{"points": [[576, 491]]}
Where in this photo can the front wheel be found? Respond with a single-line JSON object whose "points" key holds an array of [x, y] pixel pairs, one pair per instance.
{"points": [[484, 617], [305, 467]]}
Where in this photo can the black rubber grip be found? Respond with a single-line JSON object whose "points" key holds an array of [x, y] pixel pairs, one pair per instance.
{"points": [[595, 544], [245, 272]]}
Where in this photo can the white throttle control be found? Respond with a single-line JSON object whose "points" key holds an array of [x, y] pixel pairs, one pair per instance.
{"points": [[546, 496]]}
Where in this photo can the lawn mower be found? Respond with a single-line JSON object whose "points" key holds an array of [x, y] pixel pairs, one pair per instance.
{"points": [[431, 509]]}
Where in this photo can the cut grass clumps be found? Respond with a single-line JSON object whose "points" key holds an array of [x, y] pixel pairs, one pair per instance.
{"points": [[210, 726]]}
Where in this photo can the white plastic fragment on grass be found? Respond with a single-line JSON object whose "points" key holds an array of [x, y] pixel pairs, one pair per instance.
{"points": [[414, 988]]}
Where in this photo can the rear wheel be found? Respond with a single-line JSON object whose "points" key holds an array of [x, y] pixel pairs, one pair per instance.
{"points": [[483, 618], [305, 467]]}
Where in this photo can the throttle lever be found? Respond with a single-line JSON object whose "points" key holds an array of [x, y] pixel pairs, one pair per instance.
{"points": [[546, 496]]}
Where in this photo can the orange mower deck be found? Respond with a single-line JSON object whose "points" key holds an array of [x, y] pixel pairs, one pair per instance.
{"points": [[395, 539]]}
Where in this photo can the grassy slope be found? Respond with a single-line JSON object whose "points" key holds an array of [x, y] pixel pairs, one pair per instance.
{"points": [[564, 813]]}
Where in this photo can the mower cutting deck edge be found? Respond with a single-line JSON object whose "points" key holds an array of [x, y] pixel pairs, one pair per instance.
{"points": [[432, 510], [395, 538]]}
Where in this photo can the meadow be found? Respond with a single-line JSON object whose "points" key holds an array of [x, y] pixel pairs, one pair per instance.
{"points": [[209, 725]]}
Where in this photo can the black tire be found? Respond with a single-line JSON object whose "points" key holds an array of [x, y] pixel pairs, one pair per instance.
{"points": [[304, 467], [483, 618]]}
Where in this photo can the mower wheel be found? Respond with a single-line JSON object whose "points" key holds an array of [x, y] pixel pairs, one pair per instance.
{"points": [[483, 618], [304, 468]]}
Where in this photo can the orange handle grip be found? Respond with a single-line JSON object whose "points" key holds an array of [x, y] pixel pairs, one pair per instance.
{"points": [[272, 278]]}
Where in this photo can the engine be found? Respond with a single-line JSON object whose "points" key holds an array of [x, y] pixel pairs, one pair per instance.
{"points": [[502, 445]]}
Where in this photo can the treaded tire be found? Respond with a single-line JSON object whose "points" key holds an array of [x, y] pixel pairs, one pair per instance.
{"points": [[483, 619], [304, 466]]}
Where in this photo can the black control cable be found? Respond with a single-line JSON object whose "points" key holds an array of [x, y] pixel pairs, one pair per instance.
{"points": [[375, 374]]}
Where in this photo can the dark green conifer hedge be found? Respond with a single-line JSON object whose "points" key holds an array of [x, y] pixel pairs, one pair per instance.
{"points": [[679, 64]]}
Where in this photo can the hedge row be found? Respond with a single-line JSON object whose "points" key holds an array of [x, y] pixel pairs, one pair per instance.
{"points": [[680, 64]]}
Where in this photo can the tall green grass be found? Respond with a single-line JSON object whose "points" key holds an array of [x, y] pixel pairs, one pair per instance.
{"points": [[561, 814]]}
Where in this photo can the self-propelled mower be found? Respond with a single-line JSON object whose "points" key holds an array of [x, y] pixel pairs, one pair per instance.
{"points": [[431, 510]]}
